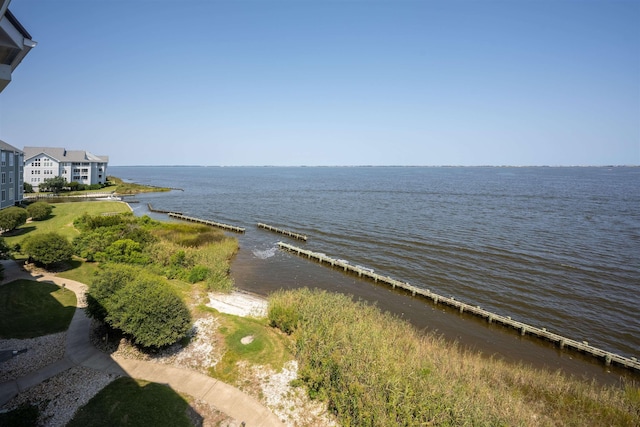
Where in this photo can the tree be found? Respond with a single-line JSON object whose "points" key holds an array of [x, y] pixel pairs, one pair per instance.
{"points": [[47, 248], [28, 188], [12, 217], [54, 185], [39, 210]]}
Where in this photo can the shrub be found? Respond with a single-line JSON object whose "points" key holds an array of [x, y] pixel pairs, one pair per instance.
{"points": [[93, 242], [198, 273], [39, 210], [47, 248], [125, 251], [107, 282], [12, 217], [140, 305]]}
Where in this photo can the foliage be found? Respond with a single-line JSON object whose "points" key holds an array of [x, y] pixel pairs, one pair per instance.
{"points": [[130, 402], [375, 369], [12, 217], [87, 222], [125, 251], [39, 210], [107, 282], [32, 309], [193, 253], [118, 238], [140, 305], [28, 188], [48, 248], [4, 248], [55, 184]]}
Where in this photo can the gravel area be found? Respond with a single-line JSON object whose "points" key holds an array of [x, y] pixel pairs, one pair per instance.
{"points": [[291, 404], [41, 351], [59, 397]]}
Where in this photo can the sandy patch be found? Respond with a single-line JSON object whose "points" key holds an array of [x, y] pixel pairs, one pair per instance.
{"points": [[239, 304]]}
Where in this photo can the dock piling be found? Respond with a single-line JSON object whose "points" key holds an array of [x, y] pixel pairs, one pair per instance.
{"points": [[564, 343]]}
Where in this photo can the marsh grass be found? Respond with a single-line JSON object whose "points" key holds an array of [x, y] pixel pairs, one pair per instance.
{"points": [[32, 309], [122, 187], [375, 369]]}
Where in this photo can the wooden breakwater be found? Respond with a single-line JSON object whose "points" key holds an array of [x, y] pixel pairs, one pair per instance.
{"points": [[207, 222], [562, 342], [285, 232], [151, 209]]}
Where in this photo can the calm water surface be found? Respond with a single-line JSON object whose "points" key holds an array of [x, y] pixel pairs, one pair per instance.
{"points": [[553, 247]]}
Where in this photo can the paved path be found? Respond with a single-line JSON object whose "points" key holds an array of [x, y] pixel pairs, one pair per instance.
{"points": [[79, 351]]}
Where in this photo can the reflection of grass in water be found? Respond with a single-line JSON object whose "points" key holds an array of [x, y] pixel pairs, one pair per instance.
{"points": [[32, 309], [127, 401], [267, 348]]}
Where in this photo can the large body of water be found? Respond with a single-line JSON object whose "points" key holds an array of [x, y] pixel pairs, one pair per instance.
{"points": [[553, 247]]}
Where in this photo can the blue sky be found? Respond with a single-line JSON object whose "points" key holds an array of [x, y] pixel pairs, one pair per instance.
{"points": [[330, 82]]}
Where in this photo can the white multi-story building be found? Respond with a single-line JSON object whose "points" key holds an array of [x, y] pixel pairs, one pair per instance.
{"points": [[11, 186], [80, 166]]}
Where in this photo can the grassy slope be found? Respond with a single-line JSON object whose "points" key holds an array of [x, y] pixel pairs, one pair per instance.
{"points": [[61, 220], [32, 309]]}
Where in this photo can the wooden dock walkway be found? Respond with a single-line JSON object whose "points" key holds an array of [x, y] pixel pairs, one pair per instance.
{"points": [[151, 209], [207, 222], [562, 342], [285, 232]]}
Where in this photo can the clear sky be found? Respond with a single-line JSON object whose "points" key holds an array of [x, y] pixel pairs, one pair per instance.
{"points": [[305, 82]]}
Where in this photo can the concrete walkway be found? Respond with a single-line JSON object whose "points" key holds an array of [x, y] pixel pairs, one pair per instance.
{"points": [[79, 351]]}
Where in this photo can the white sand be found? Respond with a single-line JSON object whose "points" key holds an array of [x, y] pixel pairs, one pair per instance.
{"points": [[239, 304]]}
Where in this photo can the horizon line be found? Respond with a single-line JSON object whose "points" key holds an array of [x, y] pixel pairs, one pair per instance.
{"points": [[383, 166]]}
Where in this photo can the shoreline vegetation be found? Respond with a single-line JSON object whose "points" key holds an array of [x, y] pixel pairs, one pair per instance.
{"points": [[367, 366]]}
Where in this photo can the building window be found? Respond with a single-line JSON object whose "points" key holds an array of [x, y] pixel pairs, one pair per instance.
{"points": [[4, 161], [11, 193], [3, 196], [4, 177], [10, 179], [85, 177], [11, 159]]}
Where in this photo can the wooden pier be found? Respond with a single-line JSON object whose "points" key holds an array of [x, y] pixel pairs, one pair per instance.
{"points": [[207, 222], [285, 232], [562, 342], [151, 209]]}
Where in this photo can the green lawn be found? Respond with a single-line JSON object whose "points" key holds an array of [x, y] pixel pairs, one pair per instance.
{"points": [[32, 309], [61, 220], [130, 402], [267, 348]]}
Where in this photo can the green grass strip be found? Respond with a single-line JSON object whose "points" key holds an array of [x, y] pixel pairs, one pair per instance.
{"points": [[32, 309]]}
